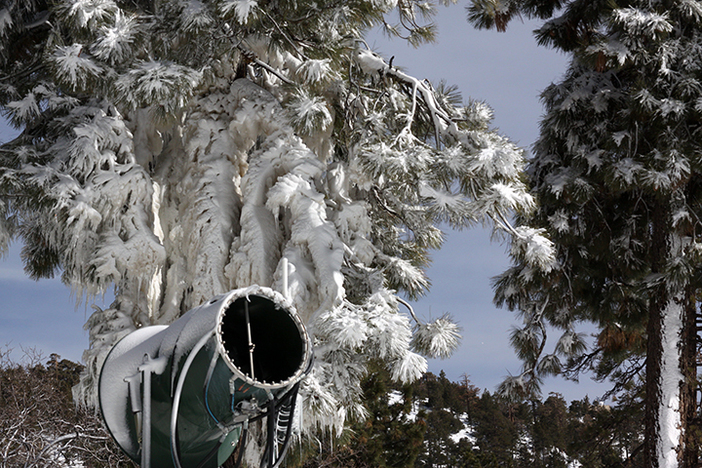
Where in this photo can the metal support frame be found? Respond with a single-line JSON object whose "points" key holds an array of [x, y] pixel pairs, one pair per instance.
{"points": [[141, 400]]}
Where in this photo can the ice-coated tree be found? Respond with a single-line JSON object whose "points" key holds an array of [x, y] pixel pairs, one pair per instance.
{"points": [[172, 150], [617, 173]]}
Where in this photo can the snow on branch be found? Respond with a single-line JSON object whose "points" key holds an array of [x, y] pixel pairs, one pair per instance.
{"points": [[438, 339], [372, 63], [73, 67], [165, 86]]}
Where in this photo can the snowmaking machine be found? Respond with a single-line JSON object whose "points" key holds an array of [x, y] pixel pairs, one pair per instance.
{"points": [[183, 395]]}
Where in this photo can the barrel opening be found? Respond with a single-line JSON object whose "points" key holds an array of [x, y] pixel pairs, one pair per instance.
{"points": [[278, 341]]}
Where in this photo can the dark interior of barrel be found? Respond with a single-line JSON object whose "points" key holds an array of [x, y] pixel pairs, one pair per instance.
{"points": [[277, 343]]}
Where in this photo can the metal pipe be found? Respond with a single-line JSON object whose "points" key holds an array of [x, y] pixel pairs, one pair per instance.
{"points": [[248, 332], [146, 418], [179, 390]]}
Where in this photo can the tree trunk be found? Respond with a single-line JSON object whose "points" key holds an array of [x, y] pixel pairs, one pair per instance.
{"points": [[659, 251], [665, 431], [653, 375], [688, 394]]}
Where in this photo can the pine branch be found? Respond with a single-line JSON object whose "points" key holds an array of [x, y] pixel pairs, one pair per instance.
{"points": [[409, 308], [383, 204], [439, 117], [250, 55], [282, 33]]}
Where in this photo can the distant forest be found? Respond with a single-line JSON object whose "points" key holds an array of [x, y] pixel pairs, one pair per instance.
{"points": [[439, 423], [432, 423]]}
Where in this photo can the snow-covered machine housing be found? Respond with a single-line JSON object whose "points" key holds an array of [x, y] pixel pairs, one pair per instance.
{"points": [[183, 395]]}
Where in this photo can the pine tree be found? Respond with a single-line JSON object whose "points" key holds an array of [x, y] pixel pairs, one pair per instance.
{"points": [[391, 437], [616, 171], [549, 432], [495, 431], [601, 435], [173, 150]]}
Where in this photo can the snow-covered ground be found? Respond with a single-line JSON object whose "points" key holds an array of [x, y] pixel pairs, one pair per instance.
{"points": [[466, 432]]}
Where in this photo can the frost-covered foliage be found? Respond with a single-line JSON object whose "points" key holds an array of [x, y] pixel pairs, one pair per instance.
{"points": [[177, 149], [616, 171]]}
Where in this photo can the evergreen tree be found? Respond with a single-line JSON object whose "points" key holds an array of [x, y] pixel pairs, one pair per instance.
{"points": [[389, 437], [616, 171], [438, 447], [439, 392], [607, 436], [495, 432], [448, 408], [549, 432], [468, 396], [176, 149]]}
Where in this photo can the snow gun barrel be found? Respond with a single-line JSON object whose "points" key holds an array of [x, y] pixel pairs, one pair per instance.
{"points": [[184, 395]]}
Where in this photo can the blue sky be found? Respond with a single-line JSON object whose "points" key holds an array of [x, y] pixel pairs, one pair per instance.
{"points": [[506, 70]]}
